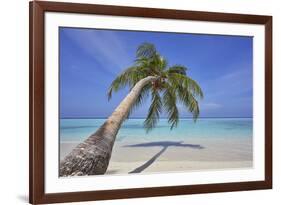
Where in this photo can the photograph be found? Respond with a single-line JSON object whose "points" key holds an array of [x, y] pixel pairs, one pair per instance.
{"points": [[131, 102], [146, 102]]}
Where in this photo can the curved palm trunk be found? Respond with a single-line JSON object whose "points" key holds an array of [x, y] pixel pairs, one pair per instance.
{"points": [[93, 155]]}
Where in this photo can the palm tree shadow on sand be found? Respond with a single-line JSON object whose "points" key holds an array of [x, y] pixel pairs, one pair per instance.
{"points": [[164, 145]]}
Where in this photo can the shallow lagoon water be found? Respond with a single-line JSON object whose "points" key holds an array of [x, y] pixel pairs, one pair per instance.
{"points": [[77, 130]]}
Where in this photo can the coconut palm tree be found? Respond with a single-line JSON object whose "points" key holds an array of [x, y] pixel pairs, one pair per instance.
{"points": [[150, 75]]}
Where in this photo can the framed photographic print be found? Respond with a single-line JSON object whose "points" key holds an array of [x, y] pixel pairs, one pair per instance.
{"points": [[138, 102]]}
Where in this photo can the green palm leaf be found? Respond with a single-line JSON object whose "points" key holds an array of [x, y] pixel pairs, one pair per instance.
{"points": [[187, 83], [154, 111], [146, 50], [189, 101], [177, 69], [128, 77], [172, 86], [170, 104]]}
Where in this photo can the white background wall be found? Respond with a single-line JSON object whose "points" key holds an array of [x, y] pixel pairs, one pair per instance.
{"points": [[14, 100]]}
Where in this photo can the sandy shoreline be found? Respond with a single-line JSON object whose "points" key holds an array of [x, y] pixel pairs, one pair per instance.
{"points": [[159, 156]]}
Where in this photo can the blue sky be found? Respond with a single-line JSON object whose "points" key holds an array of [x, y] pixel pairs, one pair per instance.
{"points": [[90, 59]]}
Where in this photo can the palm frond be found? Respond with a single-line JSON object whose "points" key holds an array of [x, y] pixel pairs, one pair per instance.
{"points": [[170, 104], [154, 111], [189, 101], [163, 63], [146, 50], [153, 65], [177, 69], [187, 90], [187, 83], [128, 77], [172, 86]]}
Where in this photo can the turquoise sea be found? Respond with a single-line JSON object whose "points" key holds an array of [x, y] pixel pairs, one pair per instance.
{"points": [[76, 130]]}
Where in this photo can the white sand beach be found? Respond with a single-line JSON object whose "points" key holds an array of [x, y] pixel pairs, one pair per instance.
{"points": [[169, 156]]}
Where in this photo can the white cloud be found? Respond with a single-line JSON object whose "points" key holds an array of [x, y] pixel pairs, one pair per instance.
{"points": [[210, 106], [229, 85], [103, 46]]}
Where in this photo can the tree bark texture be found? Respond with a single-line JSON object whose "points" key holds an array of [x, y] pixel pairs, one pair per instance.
{"points": [[92, 156]]}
